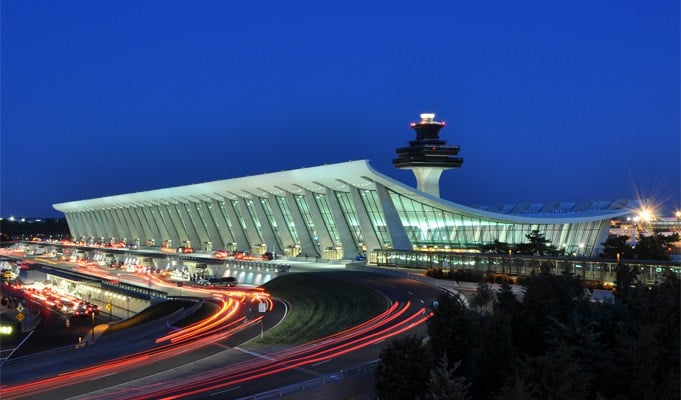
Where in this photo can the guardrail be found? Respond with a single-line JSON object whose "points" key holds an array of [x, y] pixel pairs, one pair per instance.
{"points": [[310, 384]]}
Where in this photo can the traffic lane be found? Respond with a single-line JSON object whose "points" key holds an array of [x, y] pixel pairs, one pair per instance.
{"points": [[194, 361], [394, 287], [397, 289], [53, 330], [278, 370]]}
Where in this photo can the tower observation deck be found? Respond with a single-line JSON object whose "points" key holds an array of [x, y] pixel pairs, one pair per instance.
{"points": [[428, 155]]}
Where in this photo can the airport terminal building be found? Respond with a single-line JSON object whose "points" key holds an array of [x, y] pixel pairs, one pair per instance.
{"points": [[337, 212]]}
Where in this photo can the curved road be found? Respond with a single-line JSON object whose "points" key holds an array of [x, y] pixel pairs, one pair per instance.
{"points": [[214, 363]]}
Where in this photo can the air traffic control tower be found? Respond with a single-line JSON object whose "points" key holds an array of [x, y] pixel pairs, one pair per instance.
{"points": [[428, 155]]}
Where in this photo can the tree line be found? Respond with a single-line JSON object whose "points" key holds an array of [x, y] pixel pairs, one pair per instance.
{"points": [[554, 343]]}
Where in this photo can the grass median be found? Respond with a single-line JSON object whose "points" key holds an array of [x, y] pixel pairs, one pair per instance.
{"points": [[320, 306]]}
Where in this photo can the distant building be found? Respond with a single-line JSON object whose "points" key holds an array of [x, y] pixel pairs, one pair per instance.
{"points": [[338, 211]]}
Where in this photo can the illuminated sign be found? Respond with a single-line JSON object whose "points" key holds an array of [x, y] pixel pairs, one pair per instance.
{"points": [[6, 329]]}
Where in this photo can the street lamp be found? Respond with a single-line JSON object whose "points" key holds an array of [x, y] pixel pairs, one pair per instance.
{"points": [[93, 327]]}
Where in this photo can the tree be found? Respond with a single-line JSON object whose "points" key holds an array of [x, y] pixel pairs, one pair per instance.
{"points": [[546, 297], [495, 247], [443, 385], [452, 329], [655, 247], [492, 356], [403, 372], [506, 302], [626, 280], [483, 296], [538, 245], [615, 245], [518, 389]]}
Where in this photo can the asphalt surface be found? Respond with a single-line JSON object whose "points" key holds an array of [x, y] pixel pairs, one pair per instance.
{"points": [[220, 355], [396, 289]]}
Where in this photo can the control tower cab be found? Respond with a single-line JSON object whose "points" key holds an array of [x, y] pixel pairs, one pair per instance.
{"points": [[428, 155]]}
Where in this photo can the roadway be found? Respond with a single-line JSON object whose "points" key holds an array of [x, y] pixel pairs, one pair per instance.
{"points": [[219, 364], [246, 370]]}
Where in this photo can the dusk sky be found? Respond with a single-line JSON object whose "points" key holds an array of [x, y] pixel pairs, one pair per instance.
{"points": [[549, 100]]}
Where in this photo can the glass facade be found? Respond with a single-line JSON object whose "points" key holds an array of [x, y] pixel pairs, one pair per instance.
{"points": [[373, 207], [327, 216], [254, 218], [267, 208], [304, 210], [239, 215], [288, 217], [430, 227], [226, 218], [350, 215]]}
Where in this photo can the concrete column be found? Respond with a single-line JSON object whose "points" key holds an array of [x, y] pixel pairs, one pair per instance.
{"points": [[398, 235], [285, 237], [164, 230], [75, 226], [350, 249], [131, 224], [222, 226], [323, 237], [153, 225], [177, 235], [108, 227], [198, 223], [118, 227], [99, 227], [203, 209], [183, 224], [117, 215], [71, 223], [239, 233], [307, 246], [268, 235], [149, 230], [251, 231], [371, 241], [146, 228]]}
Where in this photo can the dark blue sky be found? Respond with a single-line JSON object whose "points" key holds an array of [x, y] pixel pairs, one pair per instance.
{"points": [[549, 100]]}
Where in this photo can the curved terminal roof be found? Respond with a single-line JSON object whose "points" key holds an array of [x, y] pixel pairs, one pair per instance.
{"points": [[340, 177]]}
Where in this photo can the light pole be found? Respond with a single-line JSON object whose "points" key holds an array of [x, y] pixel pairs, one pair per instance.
{"points": [[93, 327], [262, 308]]}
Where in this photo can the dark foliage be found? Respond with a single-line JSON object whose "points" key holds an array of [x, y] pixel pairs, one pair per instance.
{"points": [[653, 247], [404, 371], [555, 344], [538, 245]]}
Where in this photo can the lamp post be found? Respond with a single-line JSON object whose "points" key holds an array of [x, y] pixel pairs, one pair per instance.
{"points": [[93, 327]]}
